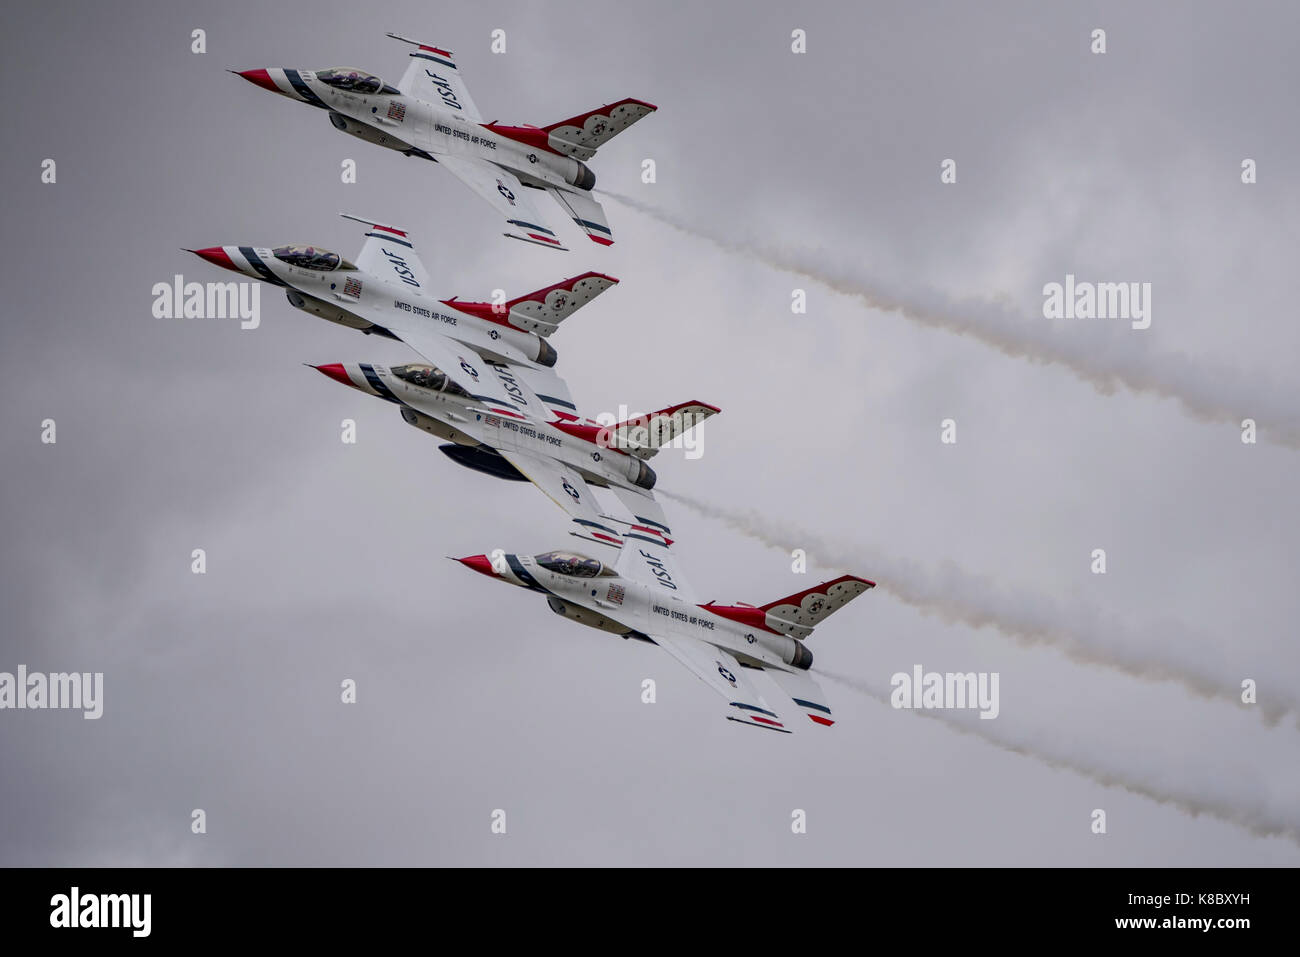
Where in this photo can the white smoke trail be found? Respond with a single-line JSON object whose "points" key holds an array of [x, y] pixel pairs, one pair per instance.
{"points": [[957, 596], [1211, 395], [1256, 820]]}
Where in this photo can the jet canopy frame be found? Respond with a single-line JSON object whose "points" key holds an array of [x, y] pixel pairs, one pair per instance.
{"points": [[356, 81], [307, 256]]}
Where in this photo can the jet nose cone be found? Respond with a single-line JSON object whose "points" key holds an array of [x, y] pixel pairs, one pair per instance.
{"points": [[261, 77], [479, 563], [217, 256], [335, 371]]}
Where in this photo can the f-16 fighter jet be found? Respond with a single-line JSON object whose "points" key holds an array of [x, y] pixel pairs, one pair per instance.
{"points": [[547, 443], [430, 114], [489, 387], [644, 595]]}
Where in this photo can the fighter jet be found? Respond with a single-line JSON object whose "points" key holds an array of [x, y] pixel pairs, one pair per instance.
{"points": [[430, 114], [489, 388], [547, 444], [386, 292], [644, 595]]}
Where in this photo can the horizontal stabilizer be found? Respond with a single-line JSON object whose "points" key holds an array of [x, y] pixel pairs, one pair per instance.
{"points": [[806, 694], [537, 242], [586, 212]]}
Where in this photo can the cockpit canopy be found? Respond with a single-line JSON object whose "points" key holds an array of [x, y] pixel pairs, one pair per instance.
{"points": [[570, 563], [311, 257], [355, 81], [427, 377]]}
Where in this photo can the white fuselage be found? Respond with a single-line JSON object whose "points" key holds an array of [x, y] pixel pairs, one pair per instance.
{"points": [[637, 610], [360, 300], [451, 415], [412, 125]]}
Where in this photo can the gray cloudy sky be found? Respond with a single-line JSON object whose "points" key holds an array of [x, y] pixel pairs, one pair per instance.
{"points": [[326, 561]]}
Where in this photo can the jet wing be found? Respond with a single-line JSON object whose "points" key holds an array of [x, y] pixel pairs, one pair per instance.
{"points": [[548, 386], [518, 385], [647, 554], [432, 76], [462, 364], [566, 488], [503, 190], [722, 672], [389, 253]]}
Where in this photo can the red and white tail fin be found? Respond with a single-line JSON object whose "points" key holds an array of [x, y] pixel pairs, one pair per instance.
{"points": [[580, 136], [541, 312], [644, 435], [798, 614]]}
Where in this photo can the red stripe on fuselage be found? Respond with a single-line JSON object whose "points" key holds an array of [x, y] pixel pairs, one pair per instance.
{"points": [[588, 433], [480, 310], [751, 617], [528, 135]]}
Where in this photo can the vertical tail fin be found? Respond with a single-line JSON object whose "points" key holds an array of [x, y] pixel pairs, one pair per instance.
{"points": [[580, 136], [586, 211], [798, 614], [541, 312]]}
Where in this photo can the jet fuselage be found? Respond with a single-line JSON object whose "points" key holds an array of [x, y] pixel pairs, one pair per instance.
{"points": [[417, 127], [357, 299], [444, 410], [600, 598]]}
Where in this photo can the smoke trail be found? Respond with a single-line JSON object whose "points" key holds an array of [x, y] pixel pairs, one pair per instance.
{"points": [[1255, 820], [1211, 395], [957, 596]]}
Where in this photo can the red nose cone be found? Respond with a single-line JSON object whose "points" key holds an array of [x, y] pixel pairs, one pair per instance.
{"points": [[261, 78], [217, 256], [335, 371], [479, 563]]}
